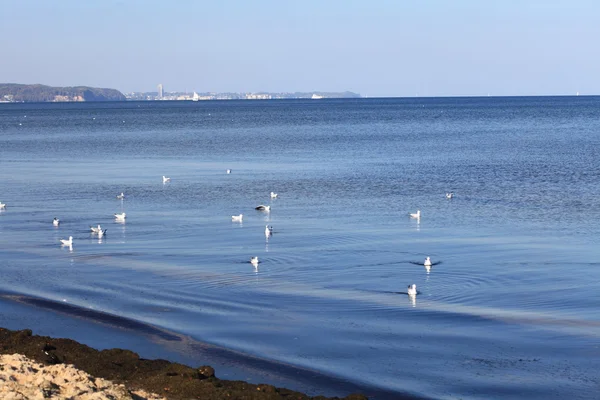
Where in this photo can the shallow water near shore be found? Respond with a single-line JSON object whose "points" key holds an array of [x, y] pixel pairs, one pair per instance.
{"points": [[510, 308]]}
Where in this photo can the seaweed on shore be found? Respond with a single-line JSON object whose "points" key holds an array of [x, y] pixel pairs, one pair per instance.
{"points": [[172, 380]]}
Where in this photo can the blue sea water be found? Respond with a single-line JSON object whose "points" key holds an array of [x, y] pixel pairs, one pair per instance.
{"points": [[510, 308]]}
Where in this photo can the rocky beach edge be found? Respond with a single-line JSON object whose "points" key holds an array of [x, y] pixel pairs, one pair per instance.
{"points": [[33, 366]]}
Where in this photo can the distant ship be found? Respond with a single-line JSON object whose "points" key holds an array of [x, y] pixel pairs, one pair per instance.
{"points": [[196, 97], [316, 96]]}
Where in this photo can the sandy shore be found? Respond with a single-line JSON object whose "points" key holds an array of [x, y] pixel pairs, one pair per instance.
{"points": [[41, 367]]}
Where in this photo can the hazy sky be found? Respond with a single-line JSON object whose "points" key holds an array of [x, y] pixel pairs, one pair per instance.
{"points": [[374, 47]]}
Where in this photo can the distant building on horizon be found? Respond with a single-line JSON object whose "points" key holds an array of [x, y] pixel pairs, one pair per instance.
{"points": [[161, 92]]}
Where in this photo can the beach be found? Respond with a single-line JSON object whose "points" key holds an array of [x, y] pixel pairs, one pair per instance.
{"points": [[39, 367], [22, 379]]}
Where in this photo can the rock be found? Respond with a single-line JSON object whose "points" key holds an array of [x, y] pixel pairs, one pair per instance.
{"points": [[206, 371], [23, 379], [266, 388]]}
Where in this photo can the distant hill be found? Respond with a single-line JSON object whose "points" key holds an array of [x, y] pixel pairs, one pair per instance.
{"points": [[14, 92]]}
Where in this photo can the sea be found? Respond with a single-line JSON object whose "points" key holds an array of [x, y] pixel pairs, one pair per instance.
{"points": [[509, 309]]}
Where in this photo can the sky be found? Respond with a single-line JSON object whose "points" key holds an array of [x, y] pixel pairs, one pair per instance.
{"points": [[378, 48]]}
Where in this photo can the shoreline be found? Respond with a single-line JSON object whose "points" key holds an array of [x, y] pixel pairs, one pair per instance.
{"points": [[168, 379], [103, 331]]}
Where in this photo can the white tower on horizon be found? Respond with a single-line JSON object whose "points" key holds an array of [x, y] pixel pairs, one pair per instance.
{"points": [[160, 91]]}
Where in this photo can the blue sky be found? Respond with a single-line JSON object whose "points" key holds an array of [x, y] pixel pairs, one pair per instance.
{"points": [[377, 48]]}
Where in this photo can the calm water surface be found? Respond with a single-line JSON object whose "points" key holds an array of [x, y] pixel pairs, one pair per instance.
{"points": [[510, 309]]}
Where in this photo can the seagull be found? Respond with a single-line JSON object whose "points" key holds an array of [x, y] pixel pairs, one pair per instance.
{"points": [[120, 217], [237, 218], [254, 261], [268, 230], [102, 232], [121, 196], [427, 262], [55, 221], [65, 242], [95, 229], [263, 208], [273, 195], [2, 205], [165, 179], [449, 195], [228, 171], [416, 215], [412, 290]]}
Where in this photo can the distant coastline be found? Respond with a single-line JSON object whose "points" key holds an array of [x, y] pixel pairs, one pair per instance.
{"points": [[36, 93], [21, 93], [194, 96]]}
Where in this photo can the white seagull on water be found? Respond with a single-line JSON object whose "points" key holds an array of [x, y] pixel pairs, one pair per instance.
{"points": [[416, 215], [449, 195], [263, 208], [237, 218], [2, 205], [273, 195], [228, 171], [427, 262], [55, 221], [95, 229], [254, 261], [412, 290], [165, 179], [120, 217], [65, 242], [121, 196], [268, 230]]}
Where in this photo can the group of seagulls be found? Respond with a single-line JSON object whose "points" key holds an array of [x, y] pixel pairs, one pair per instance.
{"points": [[120, 217], [95, 230], [268, 229], [412, 289]]}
